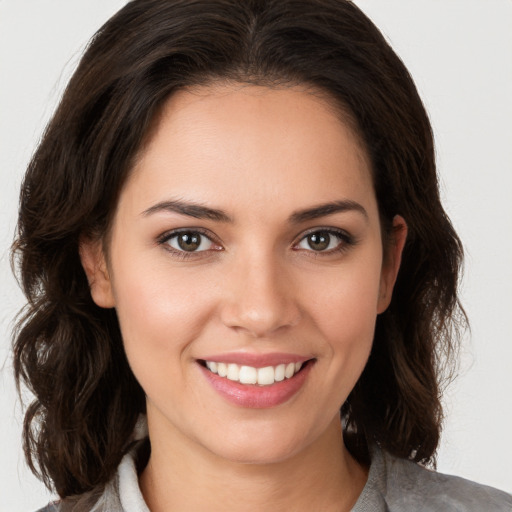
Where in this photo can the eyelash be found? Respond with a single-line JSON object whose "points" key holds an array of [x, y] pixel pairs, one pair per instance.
{"points": [[345, 242], [185, 255]]}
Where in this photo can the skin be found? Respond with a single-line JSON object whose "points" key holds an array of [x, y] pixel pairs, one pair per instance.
{"points": [[259, 155]]}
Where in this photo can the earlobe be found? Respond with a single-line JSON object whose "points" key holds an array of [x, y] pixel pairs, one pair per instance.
{"points": [[391, 263], [95, 266]]}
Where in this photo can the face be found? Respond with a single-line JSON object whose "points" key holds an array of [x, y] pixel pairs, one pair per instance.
{"points": [[246, 268]]}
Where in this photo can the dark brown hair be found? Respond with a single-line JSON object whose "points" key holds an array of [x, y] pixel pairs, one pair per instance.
{"points": [[69, 351]]}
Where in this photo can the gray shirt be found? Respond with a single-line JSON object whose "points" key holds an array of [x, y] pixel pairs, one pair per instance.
{"points": [[394, 485]]}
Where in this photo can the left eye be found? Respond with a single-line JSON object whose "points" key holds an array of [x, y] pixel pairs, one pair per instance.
{"points": [[321, 241], [189, 241]]}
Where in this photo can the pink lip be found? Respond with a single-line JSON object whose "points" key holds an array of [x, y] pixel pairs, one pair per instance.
{"points": [[254, 396], [257, 360]]}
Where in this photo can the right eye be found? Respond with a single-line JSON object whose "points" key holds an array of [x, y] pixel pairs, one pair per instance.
{"points": [[188, 241]]}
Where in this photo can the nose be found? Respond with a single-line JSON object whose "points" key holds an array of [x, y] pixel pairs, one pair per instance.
{"points": [[260, 299]]}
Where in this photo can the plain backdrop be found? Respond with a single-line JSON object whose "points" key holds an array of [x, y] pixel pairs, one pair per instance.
{"points": [[460, 54]]}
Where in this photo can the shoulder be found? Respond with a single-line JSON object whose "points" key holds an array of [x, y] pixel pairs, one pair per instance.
{"points": [[52, 507], [404, 486], [83, 503], [101, 499], [120, 493]]}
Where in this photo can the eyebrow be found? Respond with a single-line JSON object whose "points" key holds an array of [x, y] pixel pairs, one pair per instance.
{"points": [[195, 210], [199, 211], [326, 209]]}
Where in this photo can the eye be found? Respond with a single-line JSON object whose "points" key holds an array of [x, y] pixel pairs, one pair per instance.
{"points": [[189, 241], [324, 241]]}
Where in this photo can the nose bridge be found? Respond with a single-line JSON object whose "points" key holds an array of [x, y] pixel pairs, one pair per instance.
{"points": [[260, 299]]}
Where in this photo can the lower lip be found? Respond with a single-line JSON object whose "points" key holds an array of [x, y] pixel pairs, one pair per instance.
{"points": [[254, 396]]}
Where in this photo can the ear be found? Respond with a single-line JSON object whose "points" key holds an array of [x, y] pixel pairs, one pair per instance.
{"points": [[95, 265], [391, 262]]}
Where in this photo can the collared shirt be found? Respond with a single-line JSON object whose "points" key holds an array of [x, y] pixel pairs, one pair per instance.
{"points": [[393, 485]]}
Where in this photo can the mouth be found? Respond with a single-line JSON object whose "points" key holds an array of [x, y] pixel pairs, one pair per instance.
{"points": [[250, 375], [256, 387]]}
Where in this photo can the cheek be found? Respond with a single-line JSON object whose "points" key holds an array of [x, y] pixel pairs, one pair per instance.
{"points": [[344, 309], [348, 297], [160, 311]]}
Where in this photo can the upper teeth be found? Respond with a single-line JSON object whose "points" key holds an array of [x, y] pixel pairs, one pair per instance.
{"points": [[250, 375]]}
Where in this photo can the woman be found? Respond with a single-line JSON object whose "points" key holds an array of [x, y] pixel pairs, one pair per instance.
{"points": [[232, 230]]}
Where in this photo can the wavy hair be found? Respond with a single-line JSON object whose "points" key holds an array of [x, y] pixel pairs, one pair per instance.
{"points": [[69, 352]]}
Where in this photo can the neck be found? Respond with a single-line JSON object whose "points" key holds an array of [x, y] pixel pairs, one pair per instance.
{"points": [[324, 476]]}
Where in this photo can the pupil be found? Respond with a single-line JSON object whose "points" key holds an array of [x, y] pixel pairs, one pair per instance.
{"points": [[319, 241], [189, 241]]}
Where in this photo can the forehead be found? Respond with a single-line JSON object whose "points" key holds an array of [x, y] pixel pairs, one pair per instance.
{"points": [[268, 145]]}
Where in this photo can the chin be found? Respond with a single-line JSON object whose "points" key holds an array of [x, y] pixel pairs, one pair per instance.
{"points": [[260, 455], [259, 446]]}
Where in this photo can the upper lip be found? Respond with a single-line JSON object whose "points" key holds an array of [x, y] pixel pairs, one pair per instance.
{"points": [[256, 360]]}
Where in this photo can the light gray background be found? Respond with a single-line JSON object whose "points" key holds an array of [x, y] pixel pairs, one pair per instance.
{"points": [[460, 54]]}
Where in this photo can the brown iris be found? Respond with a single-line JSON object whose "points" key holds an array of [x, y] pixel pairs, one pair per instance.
{"points": [[189, 241], [319, 241]]}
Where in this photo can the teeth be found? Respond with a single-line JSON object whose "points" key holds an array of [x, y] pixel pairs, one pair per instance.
{"points": [[233, 372], [266, 376], [279, 372], [222, 369], [212, 366], [250, 375]]}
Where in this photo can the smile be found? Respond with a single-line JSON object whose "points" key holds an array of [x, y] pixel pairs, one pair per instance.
{"points": [[250, 375], [273, 380]]}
